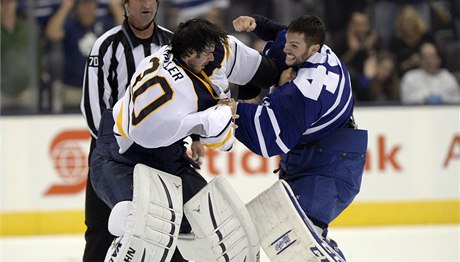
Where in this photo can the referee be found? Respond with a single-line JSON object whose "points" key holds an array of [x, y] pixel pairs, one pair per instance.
{"points": [[109, 68]]}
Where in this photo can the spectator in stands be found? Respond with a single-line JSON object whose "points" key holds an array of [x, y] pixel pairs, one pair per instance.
{"points": [[355, 46], [411, 33], [446, 25], [337, 14], [216, 15], [380, 80], [76, 32], [455, 9], [385, 12], [15, 94], [429, 84], [442, 20], [210, 9]]}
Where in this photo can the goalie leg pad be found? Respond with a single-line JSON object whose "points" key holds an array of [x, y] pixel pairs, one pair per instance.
{"points": [[286, 233], [152, 225], [222, 227]]}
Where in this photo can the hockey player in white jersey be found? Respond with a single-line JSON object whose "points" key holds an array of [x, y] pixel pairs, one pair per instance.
{"points": [[308, 122], [140, 167], [111, 65]]}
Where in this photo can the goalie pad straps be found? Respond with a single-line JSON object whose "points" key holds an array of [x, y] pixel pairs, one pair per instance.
{"points": [[223, 229], [152, 226], [285, 231]]}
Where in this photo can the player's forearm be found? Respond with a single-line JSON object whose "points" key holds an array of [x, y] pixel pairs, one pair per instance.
{"points": [[55, 27], [8, 16], [267, 29], [267, 74], [257, 131], [274, 127]]}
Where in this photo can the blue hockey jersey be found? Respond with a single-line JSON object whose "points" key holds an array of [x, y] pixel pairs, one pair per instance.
{"points": [[311, 106]]}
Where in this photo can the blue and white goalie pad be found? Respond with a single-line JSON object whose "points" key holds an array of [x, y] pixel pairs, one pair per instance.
{"points": [[152, 224], [285, 231], [221, 225]]}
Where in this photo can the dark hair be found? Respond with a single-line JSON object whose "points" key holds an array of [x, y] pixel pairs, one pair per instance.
{"points": [[312, 27], [196, 35]]}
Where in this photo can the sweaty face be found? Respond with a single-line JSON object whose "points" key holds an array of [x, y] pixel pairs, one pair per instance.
{"points": [[296, 49], [197, 61], [141, 12]]}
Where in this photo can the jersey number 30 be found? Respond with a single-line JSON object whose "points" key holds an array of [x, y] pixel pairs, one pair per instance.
{"points": [[153, 81]]}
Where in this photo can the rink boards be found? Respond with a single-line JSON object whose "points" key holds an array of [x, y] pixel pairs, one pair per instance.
{"points": [[412, 172]]}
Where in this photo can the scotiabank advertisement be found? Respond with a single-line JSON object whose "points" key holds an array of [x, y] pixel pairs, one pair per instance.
{"points": [[413, 155]]}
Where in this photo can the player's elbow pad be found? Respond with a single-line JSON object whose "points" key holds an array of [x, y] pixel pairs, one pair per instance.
{"points": [[217, 127], [223, 141]]}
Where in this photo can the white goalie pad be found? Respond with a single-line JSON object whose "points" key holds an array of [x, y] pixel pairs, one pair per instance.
{"points": [[152, 225], [285, 231], [222, 227]]}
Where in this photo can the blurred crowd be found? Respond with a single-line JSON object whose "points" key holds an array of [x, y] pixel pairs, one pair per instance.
{"points": [[397, 51]]}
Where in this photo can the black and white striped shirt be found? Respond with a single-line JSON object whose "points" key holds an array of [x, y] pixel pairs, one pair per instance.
{"points": [[110, 66]]}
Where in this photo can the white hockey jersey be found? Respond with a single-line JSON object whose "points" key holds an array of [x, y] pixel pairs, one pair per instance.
{"points": [[233, 62], [166, 102]]}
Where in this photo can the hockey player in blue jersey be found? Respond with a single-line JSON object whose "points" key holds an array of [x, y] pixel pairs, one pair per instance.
{"points": [[308, 122]]}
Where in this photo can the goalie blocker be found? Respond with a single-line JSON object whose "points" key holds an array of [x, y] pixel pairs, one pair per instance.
{"points": [[285, 231]]}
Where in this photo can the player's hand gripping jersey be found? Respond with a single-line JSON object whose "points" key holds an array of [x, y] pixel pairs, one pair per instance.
{"points": [[303, 110], [166, 102]]}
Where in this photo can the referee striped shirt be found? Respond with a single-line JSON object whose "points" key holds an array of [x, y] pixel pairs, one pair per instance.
{"points": [[110, 66]]}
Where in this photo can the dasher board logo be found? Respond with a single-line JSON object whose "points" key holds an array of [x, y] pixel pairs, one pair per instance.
{"points": [[70, 161]]}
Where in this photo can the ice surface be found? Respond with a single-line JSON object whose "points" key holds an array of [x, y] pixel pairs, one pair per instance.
{"points": [[368, 244]]}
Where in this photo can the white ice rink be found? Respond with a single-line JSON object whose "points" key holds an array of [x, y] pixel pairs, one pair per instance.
{"points": [[389, 244]]}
